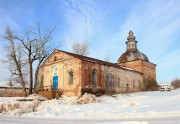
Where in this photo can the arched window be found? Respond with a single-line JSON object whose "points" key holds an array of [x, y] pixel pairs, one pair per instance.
{"points": [[70, 77], [139, 84], [107, 80], [55, 58], [133, 83], [127, 87], [119, 81], [93, 77], [132, 45], [42, 80], [55, 71]]}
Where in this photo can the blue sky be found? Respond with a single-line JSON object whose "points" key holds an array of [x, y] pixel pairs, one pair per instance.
{"points": [[105, 25]]}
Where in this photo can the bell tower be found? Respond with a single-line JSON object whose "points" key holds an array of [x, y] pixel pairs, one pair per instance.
{"points": [[133, 58], [131, 42]]}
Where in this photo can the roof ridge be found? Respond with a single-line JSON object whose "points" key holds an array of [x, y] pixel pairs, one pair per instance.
{"points": [[85, 57], [98, 61]]}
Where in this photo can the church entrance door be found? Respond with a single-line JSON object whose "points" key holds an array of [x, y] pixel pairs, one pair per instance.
{"points": [[55, 82]]}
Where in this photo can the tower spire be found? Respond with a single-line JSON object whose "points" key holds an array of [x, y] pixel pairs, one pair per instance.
{"points": [[131, 42]]}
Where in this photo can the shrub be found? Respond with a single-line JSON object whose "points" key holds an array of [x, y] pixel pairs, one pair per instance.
{"points": [[175, 83], [93, 89], [151, 84]]}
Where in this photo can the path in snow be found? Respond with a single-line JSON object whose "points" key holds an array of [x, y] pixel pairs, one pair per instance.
{"points": [[24, 120]]}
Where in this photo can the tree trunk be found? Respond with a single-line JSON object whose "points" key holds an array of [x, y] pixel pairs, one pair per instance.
{"points": [[36, 73], [31, 77], [21, 79], [20, 74], [23, 86], [36, 79]]}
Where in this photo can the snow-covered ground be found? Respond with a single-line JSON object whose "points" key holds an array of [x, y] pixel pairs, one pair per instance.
{"points": [[128, 106], [30, 120]]}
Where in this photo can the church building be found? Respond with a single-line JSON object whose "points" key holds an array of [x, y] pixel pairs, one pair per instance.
{"points": [[71, 73]]}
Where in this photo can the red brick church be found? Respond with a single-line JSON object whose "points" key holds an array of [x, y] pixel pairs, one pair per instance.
{"points": [[70, 73]]}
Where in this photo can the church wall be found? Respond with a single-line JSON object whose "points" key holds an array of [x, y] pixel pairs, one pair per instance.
{"points": [[88, 67], [119, 78], [136, 65], [148, 69], [60, 64], [64, 64]]}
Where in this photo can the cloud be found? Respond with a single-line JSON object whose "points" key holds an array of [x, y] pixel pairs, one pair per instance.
{"points": [[4, 72], [105, 25], [5, 20], [156, 24], [82, 19], [169, 61]]}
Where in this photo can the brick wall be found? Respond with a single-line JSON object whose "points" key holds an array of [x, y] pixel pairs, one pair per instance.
{"points": [[148, 69], [12, 92], [64, 64], [119, 80], [119, 77]]}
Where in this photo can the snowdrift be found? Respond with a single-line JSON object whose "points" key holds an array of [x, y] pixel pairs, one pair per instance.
{"points": [[85, 99], [18, 108], [36, 97], [21, 105], [142, 104]]}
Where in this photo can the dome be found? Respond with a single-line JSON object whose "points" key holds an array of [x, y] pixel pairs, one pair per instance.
{"points": [[132, 52], [132, 55]]}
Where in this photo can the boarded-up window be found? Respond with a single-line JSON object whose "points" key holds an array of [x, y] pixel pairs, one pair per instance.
{"points": [[55, 58], [93, 77], [134, 83], [70, 77], [107, 80]]}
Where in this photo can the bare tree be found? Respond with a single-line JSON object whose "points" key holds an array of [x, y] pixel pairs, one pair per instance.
{"points": [[28, 42], [35, 41], [175, 83], [81, 48], [42, 50], [15, 57], [34, 44], [14, 78]]}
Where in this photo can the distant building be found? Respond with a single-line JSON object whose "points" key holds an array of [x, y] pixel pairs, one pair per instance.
{"points": [[71, 73], [11, 89], [166, 87]]}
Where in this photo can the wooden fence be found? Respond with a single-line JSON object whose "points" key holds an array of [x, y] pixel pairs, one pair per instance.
{"points": [[50, 92]]}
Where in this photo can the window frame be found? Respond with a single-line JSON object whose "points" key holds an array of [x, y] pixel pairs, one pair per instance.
{"points": [[108, 80], [139, 84], [55, 70], [71, 77], [134, 85], [93, 78]]}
